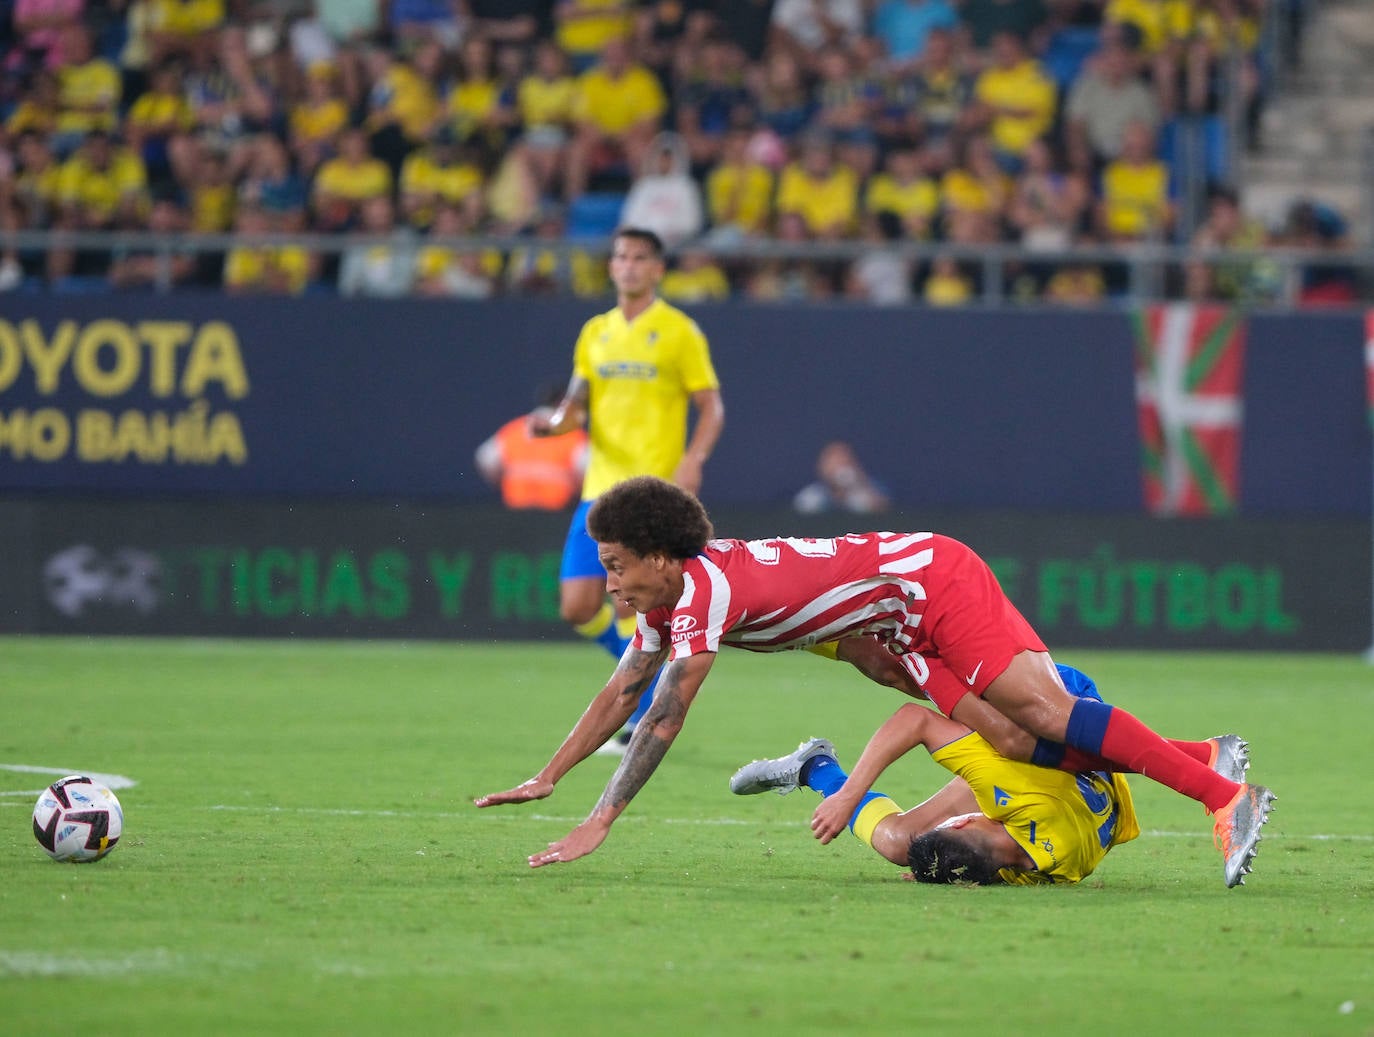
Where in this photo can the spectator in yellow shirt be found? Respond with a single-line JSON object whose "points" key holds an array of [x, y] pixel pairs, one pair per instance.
{"points": [[183, 27], [440, 174], [402, 104], [819, 191], [29, 194], [1158, 30], [544, 103], [739, 190], [444, 269], [101, 187], [212, 193], [695, 277], [1076, 284], [37, 109], [317, 120], [89, 91], [947, 284], [255, 268], [583, 28], [618, 110], [903, 190], [975, 194], [1135, 202], [472, 106], [348, 180], [1015, 99], [35, 193], [159, 115]]}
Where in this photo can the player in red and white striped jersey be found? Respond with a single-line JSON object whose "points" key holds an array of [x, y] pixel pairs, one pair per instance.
{"points": [[929, 599]]}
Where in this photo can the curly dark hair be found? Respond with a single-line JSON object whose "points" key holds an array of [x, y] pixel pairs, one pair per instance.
{"points": [[650, 516], [941, 857]]}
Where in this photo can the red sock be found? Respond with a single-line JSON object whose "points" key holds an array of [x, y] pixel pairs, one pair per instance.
{"points": [[1130, 744], [1076, 760], [1200, 751]]}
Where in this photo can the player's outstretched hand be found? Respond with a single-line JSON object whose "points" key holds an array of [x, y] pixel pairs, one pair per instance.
{"points": [[522, 793], [581, 841]]}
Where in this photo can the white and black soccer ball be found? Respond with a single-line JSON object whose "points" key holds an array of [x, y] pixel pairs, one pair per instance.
{"points": [[77, 819]]}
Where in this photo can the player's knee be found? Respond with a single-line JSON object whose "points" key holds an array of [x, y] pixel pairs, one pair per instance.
{"points": [[576, 613], [580, 602]]}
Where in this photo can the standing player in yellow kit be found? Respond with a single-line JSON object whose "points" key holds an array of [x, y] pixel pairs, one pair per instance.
{"points": [[638, 370]]}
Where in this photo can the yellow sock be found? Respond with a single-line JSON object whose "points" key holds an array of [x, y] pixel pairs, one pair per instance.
{"points": [[626, 626], [866, 820], [601, 629]]}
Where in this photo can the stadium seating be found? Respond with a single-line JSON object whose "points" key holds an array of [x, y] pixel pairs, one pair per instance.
{"points": [[594, 214]]}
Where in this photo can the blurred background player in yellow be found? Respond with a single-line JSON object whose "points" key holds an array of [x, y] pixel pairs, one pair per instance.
{"points": [[998, 820], [638, 370]]}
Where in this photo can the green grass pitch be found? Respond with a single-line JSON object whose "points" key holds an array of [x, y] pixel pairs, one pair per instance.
{"points": [[301, 856]]}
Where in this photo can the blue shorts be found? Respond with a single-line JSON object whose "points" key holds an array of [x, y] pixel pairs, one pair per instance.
{"points": [[580, 559], [1080, 685]]}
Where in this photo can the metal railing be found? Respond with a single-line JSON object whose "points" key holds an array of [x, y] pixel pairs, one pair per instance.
{"points": [[1147, 272]]}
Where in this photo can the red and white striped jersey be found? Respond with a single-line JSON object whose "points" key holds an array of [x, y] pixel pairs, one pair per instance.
{"points": [[792, 592]]}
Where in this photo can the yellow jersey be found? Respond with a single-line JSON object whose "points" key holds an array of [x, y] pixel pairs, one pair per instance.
{"points": [[591, 32], [1135, 198], [546, 102], [186, 18], [822, 204], [616, 105], [705, 284], [316, 123], [433, 260], [369, 179], [99, 192], [1159, 22], [470, 103], [740, 196], [160, 113], [96, 84], [1065, 822], [212, 207], [920, 197], [1027, 91], [30, 115], [409, 98], [962, 190], [249, 267], [641, 375]]}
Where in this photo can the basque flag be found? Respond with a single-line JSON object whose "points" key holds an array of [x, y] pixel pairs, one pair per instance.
{"points": [[1189, 362]]}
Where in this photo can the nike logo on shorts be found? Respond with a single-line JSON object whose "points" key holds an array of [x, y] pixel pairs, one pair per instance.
{"points": [[974, 675]]}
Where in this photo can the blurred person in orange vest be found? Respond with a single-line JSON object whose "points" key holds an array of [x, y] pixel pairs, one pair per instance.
{"points": [[535, 471]]}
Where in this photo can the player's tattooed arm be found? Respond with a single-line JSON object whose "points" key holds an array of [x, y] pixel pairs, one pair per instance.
{"points": [[677, 688], [638, 668]]}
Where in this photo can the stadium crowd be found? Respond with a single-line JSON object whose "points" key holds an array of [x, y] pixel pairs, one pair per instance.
{"points": [[414, 126]]}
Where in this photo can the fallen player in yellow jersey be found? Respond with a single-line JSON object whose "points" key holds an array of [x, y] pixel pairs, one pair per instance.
{"points": [[997, 821]]}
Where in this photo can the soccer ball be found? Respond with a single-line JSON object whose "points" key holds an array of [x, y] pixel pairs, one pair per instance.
{"points": [[77, 819]]}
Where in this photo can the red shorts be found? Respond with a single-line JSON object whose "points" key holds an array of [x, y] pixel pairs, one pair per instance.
{"points": [[971, 629]]}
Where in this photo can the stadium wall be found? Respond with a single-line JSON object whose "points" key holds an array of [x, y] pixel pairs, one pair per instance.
{"points": [[355, 399], [450, 571]]}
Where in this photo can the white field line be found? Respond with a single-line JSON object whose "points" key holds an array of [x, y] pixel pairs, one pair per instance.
{"points": [[113, 781], [160, 961]]}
